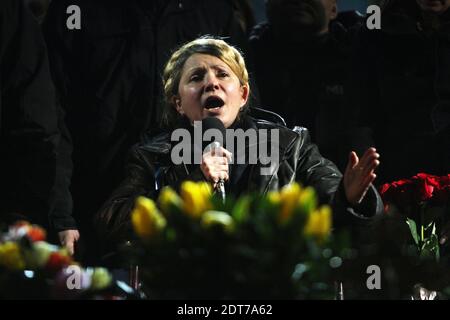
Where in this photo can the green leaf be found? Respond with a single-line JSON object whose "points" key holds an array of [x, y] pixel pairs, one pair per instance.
{"points": [[431, 248], [430, 225], [413, 228], [434, 244], [437, 254], [240, 210]]}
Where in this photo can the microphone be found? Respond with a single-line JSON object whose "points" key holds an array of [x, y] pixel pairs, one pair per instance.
{"points": [[220, 185], [214, 123]]}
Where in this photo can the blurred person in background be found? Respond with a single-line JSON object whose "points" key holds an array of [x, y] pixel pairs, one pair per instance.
{"points": [[401, 86], [307, 51], [35, 165]]}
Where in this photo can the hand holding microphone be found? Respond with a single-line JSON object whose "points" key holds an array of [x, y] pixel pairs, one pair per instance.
{"points": [[215, 164], [215, 158]]}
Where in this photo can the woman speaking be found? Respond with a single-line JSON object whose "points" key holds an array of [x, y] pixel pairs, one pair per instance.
{"points": [[208, 78]]}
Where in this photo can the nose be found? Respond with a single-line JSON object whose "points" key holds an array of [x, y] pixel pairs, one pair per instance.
{"points": [[212, 83]]}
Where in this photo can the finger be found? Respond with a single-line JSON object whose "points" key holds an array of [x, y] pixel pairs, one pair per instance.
{"points": [[70, 247], [368, 157], [364, 187], [223, 175], [370, 167], [219, 161], [224, 160], [368, 153], [220, 168], [214, 161], [214, 151], [219, 151], [367, 181], [352, 161], [370, 150], [220, 175], [214, 177], [215, 169], [207, 171], [227, 154], [206, 157], [215, 156]]}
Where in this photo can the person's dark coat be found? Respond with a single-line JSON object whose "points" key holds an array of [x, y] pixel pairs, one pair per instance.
{"points": [[35, 164], [150, 164], [108, 76], [402, 87], [306, 83]]}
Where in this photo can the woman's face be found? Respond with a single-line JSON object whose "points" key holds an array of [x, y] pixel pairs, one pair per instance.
{"points": [[434, 6], [209, 88]]}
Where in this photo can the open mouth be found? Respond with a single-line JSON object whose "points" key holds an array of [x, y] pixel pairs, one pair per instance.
{"points": [[213, 102]]}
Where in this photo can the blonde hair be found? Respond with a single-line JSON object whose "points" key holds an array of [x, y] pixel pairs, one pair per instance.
{"points": [[203, 45]]}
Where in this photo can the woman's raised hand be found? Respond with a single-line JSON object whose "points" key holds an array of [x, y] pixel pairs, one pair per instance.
{"points": [[359, 174]]}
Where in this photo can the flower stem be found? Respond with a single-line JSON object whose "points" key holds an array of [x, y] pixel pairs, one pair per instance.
{"points": [[422, 233]]}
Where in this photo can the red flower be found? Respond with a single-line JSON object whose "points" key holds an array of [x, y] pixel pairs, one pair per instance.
{"points": [[442, 193], [36, 234], [425, 186], [57, 261], [398, 192], [411, 192]]}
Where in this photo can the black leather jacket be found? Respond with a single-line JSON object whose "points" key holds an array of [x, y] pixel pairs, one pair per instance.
{"points": [[149, 168]]}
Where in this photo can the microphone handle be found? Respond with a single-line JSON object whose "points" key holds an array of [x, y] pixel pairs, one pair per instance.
{"points": [[220, 186], [220, 189]]}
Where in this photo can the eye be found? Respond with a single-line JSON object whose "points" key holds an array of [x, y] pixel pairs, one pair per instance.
{"points": [[195, 77], [222, 74]]}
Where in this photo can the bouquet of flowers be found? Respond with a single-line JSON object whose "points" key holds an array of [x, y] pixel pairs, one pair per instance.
{"points": [[424, 200], [31, 268], [399, 253], [194, 245], [423, 203]]}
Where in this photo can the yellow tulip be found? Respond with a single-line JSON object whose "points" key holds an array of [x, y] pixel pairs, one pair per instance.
{"points": [[319, 223], [218, 218], [146, 218], [289, 196], [274, 197], [307, 200], [167, 198], [11, 257], [196, 197]]}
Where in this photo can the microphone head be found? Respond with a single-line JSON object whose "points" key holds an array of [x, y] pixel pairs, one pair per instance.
{"points": [[213, 123]]}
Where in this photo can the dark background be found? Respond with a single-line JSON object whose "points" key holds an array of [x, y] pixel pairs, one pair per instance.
{"points": [[343, 5]]}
